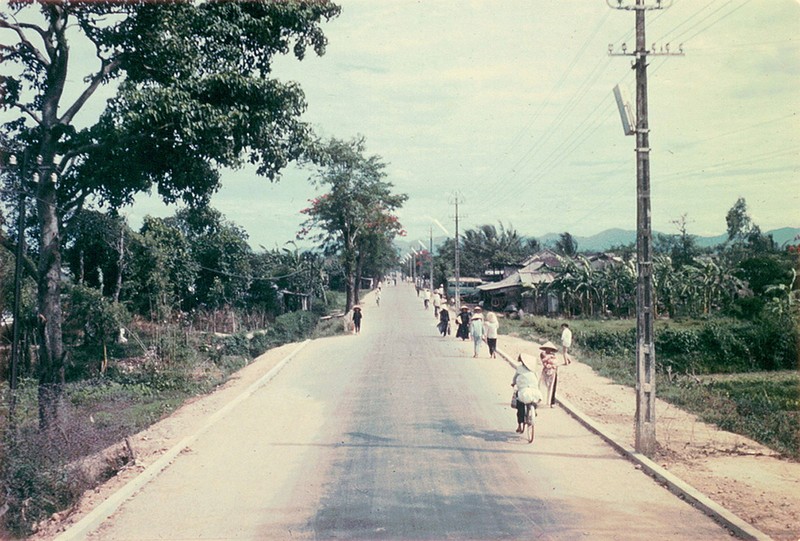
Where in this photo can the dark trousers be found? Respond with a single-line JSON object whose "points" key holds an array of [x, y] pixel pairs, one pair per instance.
{"points": [[520, 412]]}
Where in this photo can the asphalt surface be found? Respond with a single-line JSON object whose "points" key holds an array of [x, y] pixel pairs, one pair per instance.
{"points": [[398, 433]]}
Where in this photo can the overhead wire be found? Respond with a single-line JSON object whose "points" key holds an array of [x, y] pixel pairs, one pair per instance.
{"points": [[712, 23], [545, 103], [572, 141]]}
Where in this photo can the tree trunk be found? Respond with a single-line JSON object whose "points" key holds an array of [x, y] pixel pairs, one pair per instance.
{"points": [[349, 264], [51, 350], [357, 279], [120, 264]]}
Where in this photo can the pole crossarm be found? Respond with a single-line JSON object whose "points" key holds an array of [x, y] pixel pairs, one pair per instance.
{"points": [[639, 6]]}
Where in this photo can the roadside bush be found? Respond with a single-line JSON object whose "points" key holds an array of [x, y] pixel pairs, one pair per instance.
{"points": [[287, 328], [611, 343], [714, 346], [294, 326], [91, 323]]}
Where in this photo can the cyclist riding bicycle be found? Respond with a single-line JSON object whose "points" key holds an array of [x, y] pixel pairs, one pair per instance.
{"points": [[527, 395]]}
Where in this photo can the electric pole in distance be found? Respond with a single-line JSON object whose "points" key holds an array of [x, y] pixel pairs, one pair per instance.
{"points": [[645, 423], [456, 199]]}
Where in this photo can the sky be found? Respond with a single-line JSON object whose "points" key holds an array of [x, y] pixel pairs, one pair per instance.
{"points": [[507, 108]]}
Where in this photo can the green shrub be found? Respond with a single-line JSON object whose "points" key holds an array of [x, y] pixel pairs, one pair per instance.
{"points": [[607, 342], [294, 326]]}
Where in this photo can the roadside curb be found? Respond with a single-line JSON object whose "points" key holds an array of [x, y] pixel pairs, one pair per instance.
{"points": [[680, 488], [102, 512]]}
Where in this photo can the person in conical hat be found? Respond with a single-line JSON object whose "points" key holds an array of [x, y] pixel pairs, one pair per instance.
{"points": [[549, 377], [527, 385], [444, 320], [357, 317], [463, 323], [491, 325], [476, 329]]}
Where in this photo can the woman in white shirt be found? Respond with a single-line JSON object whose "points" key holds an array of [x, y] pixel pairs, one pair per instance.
{"points": [[490, 326]]}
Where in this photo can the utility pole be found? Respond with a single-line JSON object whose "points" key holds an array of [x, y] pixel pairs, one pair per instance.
{"points": [[645, 423], [456, 200], [433, 287]]}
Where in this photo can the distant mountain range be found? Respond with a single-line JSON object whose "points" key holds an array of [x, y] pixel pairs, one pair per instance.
{"points": [[616, 237], [622, 237]]}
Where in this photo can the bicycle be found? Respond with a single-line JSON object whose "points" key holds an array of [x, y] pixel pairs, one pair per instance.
{"points": [[530, 420]]}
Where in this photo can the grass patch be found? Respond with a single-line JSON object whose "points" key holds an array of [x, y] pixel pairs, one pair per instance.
{"points": [[762, 406]]}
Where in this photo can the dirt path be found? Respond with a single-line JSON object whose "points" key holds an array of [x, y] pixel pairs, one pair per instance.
{"points": [[743, 476]]}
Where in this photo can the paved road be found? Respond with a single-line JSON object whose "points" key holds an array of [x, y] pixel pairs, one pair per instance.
{"points": [[399, 434]]}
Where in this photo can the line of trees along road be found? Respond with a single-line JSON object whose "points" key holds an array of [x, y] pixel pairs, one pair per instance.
{"points": [[194, 94]]}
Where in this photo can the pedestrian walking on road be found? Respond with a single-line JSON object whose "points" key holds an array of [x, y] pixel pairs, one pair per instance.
{"points": [[426, 298], [463, 323], [566, 342], [357, 319], [549, 377], [491, 325], [437, 303], [476, 329], [444, 320]]}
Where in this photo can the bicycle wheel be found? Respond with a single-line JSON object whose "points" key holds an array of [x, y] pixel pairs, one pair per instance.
{"points": [[529, 420]]}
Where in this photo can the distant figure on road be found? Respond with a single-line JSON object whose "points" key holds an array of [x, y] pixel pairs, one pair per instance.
{"points": [[491, 325], [476, 329], [357, 319], [566, 341], [444, 320], [426, 298], [549, 371], [463, 323], [437, 303]]}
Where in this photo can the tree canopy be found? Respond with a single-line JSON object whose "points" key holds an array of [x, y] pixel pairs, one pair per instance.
{"points": [[356, 217]]}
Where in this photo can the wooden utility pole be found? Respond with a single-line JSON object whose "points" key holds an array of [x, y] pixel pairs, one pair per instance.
{"points": [[457, 262], [645, 423], [433, 287]]}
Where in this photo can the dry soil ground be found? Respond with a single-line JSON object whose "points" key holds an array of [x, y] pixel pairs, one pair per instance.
{"points": [[747, 478]]}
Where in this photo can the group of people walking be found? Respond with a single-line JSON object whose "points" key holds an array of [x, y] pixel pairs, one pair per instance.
{"points": [[535, 380], [471, 324]]}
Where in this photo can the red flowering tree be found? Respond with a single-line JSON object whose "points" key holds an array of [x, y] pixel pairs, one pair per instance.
{"points": [[355, 218]]}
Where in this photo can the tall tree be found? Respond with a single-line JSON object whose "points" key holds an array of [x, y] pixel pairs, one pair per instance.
{"points": [[162, 271], [194, 95], [359, 205], [738, 221], [489, 247], [222, 255], [567, 245]]}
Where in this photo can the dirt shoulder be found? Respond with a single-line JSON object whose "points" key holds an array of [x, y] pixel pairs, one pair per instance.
{"points": [[743, 476], [151, 444]]}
